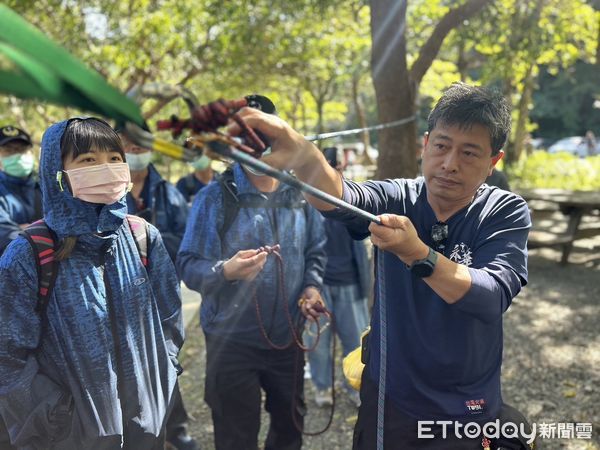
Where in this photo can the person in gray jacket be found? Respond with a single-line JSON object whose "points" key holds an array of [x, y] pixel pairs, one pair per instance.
{"points": [[95, 369]]}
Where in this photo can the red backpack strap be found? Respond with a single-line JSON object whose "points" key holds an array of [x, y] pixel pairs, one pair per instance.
{"points": [[42, 241], [139, 229]]}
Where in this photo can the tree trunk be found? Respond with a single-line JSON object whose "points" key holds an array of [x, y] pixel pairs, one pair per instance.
{"points": [[362, 120], [462, 63], [161, 103], [522, 119], [396, 86], [393, 90], [320, 105]]}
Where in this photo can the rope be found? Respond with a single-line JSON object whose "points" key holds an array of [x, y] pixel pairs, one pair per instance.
{"points": [[275, 251], [295, 337], [382, 349], [396, 123], [210, 117]]}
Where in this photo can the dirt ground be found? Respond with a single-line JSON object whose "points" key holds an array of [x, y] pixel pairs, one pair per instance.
{"points": [[551, 368]]}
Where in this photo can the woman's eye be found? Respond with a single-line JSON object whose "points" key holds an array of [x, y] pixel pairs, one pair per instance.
{"points": [[86, 160], [117, 159]]}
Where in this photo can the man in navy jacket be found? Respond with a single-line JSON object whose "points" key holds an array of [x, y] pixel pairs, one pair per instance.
{"points": [[451, 254]]}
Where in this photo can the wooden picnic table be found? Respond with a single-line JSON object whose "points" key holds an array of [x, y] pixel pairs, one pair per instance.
{"points": [[574, 205]]}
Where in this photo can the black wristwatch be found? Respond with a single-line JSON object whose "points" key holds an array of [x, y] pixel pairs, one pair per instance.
{"points": [[423, 268]]}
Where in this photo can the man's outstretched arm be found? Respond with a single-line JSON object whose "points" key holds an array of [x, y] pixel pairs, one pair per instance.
{"points": [[290, 151]]}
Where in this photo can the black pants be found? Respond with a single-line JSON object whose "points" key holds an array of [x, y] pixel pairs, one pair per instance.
{"points": [[400, 430], [178, 418], [235, 375]]}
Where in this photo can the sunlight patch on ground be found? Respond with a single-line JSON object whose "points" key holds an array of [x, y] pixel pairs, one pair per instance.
{"points": [[563, 356], [550, 316]]}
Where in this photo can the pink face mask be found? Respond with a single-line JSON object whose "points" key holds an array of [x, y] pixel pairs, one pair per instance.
{"points": [[104, 183]]}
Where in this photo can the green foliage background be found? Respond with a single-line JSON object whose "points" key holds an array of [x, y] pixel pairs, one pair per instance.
{"points": [[560, 170], [307, 55]]}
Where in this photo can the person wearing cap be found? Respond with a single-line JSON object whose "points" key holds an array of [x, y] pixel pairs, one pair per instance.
{"points": [[203, 174], [160, 203], [152, 197], [20, 195]]}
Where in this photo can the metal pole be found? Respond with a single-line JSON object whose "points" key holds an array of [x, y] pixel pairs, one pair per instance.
{"points": [[243, 158]]}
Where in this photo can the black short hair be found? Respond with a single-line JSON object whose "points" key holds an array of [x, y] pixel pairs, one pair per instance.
{"points": [[83, 134], [465, 105]]}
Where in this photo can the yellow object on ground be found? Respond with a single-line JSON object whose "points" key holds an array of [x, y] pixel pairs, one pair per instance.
{"points": [[352, 365]]}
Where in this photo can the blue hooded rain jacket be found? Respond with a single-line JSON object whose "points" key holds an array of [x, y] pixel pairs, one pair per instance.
{"points": [[18, 198], [227, 309], [71, 378]]}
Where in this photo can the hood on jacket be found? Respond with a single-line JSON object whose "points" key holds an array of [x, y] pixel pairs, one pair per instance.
{"points": [[64, 214]]}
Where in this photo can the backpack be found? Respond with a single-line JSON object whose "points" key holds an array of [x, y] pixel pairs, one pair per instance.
{"points": [[43, 241], [232, 203]]}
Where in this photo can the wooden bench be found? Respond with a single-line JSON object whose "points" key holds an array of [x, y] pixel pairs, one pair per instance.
{"points": [[561, 217]]}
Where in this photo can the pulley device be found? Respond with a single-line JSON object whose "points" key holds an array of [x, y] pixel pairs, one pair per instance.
{"points": [[205, 138]]}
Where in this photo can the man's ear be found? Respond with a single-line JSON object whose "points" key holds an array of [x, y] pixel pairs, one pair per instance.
{"points": [[495, 160]]}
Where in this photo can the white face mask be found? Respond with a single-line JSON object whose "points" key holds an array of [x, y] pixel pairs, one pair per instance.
{"points": [[138, 161]]}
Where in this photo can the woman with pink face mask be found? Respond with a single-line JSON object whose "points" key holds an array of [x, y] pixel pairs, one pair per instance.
{"points": [[95, 368]]}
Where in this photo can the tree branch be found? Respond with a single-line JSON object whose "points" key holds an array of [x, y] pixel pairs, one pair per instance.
{"points": [[431, 48], [160, 104]]}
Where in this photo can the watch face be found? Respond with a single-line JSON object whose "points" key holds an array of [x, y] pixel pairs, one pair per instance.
{"points": [[422, 269]]}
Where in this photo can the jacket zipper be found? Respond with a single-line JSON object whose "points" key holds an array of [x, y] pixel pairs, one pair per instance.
{"points": [[116, 342]]}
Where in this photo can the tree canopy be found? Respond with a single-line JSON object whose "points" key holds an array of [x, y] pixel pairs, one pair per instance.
{"points": [[328, 64]]}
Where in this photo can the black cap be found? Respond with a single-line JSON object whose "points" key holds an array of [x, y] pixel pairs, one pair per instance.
{"points": [[13, 134], [262, 103]]}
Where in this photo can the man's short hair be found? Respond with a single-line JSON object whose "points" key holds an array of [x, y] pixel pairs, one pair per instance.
{"points": [[465, 105]]}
